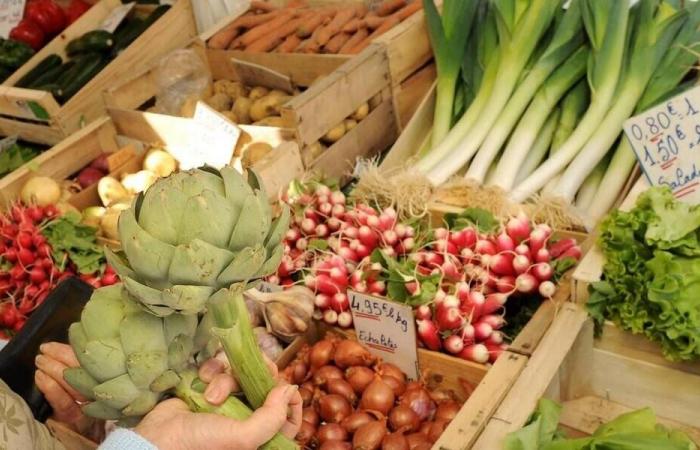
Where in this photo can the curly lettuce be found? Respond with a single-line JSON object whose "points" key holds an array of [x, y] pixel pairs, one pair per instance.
{"points": [[651, 272]]}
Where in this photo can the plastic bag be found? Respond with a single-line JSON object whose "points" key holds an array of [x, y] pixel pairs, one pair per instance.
{"points": [[182, 78]]}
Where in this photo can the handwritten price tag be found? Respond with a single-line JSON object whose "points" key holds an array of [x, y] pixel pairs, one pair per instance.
{"points": [[114, 18], [387, 329], [11, 12], [666, 140]]}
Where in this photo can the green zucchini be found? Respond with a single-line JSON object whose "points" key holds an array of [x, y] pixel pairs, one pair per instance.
{"points": [[48, 76], [92, 41], [47, 63], [91, 68], [134, 32]]}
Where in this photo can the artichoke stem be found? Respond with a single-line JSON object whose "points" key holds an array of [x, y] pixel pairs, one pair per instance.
{"points": [[233, 408], [236, 334]]}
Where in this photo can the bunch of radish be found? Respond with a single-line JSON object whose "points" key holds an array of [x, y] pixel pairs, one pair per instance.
{"points": [[28, 271]]}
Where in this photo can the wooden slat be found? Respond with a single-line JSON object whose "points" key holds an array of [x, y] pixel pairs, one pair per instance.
{"points": [[15, 102], [409, 94], [30, 132], [279, 168]]}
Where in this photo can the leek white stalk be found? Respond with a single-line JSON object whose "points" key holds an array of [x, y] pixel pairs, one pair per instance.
{"points": [[606, 25], [587, 194], [525, 134], [568, 37], [521, 25], [539, 148]]}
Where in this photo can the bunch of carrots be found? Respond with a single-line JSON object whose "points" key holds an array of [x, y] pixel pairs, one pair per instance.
{"points": [[296, 28]]}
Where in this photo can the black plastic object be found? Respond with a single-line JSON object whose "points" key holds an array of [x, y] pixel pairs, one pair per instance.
{"points": [[49, 322]]}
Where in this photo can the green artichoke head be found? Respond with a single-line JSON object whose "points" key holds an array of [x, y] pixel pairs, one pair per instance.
{"points": [[193, 233]]}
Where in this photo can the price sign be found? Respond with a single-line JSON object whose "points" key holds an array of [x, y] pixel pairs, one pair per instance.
{"points": [[114, 18], [387, 329], [11, 12], [666, 141]]}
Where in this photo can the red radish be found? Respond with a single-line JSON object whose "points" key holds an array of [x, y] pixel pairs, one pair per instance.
{"points": [[376, 287], [494, 302], [37, 275], [523, 249], [345, 319], [482, 331], [89, 176], [494, 320], [388, 252], [462, 291], [338, 211], [25, 256], [363, 251], [547, 289], [337, 198], [505, 284], [433, 259], [521, 264], [468, 333], [373, 221], [526, 283], [351, 232], [449, 318], [428, 334], [542, 256], [301, 244], [109, 279], [339, 302], [573, 252], [453, 344], [386, 221], [505, 243], [561, 246], [24, 240], [484, 247], [538, 239], [467, 254], [413, 288], [450, 301], [445, 246], [325, 285], [450, 270], [10, 255], [500, 264], [494, 351], [330, 316], [496, 338], [474, 305], [348, 254], [339, 276], [325, 209], [410, 232], [423, 312], [322, 230], [322, 190], [407, 245], [400, 230], [542, 271], [441, 233], [17, 273], [390, 237], [518, 228], [367, 236], [308, 226], [477, 353]]}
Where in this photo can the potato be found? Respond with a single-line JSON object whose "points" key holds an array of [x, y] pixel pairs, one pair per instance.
{"points": [[361, 112], [230, 115], [349, 124], [254, 153], [272, 121], [258, 92], [243, 140], [241, 108], [263, 107], [312, 152], [233, 89], [220, 102], [278, 93], [335, 133], [375, 101]]}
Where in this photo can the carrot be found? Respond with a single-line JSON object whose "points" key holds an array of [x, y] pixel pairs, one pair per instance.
{"points": [[262, 6], [289, 44], [353, 25], [408, 10], [388, 24], [266, 28], [253, 20], [275, 37], [373, 22], [336, 42], [356, 38], [296, 4], [342, 17], [223, 37], [389, 6], [301, 48], [313, 46], [311, 22]]}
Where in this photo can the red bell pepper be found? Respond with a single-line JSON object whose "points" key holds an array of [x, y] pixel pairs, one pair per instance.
{"points": [[30, 33], [47, 14], [75, 9]]}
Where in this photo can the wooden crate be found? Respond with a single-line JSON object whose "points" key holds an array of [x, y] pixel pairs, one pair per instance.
{"points": [[37, 112], [595, 384]]}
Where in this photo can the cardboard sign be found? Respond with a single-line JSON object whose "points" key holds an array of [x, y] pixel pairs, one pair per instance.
{"points": [[116, 16], [11, 12], [666, 141], [253, 74], [387, 329]]}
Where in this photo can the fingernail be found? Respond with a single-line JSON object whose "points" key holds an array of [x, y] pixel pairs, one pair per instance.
{"points": [[291, 390], [38, 358], [211, 394], [43, 348]]}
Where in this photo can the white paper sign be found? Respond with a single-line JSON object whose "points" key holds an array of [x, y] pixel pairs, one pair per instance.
{"points": [[666, 141], [387, 329], [11, 12], [116, 16]]}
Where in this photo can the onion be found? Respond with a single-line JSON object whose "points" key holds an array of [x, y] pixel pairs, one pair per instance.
{"points": [[331, 432], [423, 446], [413, 385], [359, 378], [398, 386], [306, 396], [89, 176], [392, 371], [321, 354], [334, 408], [395, 441], [326, 373], [352, 353], [299, 372], [335, 445], [378, 397], [40, 191], [436, 429], [425, 428], [310, 415], [447, 410], [343, 388], [369, 436], [416, 439], [355, 421], [306, 433], [420, 402], [403, 417]]}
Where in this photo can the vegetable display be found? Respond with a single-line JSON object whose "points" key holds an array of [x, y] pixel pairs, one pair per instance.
{"points": [[534, 59], [651, 273], [297, 28], [637, 430], [353, 400], [17, 155], [13, 54]]}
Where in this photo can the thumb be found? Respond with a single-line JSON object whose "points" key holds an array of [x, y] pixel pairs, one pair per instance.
{"points": [[267, 420], [171, 406]]}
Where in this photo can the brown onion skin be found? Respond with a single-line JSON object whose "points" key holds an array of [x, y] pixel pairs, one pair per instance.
{"points": [[306, 433], [447, 410], [420, 402], [392, 371], [342, 387], [359, 378], [333, 408], [310, 415], [403, 417], [369, 436], [351, 353], [395, 441], [306, 396], [335, 445], [321, 354], [436, 429], [425, 428], [413, 385], [325, 373], [331, 432], [299, 372], [355, 421], [416, 439], [378, 397], [427, 446], [398, 386]]}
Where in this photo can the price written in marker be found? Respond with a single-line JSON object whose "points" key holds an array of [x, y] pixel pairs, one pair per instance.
{"points": [[11, 12], [387, 329], [666, 140]]}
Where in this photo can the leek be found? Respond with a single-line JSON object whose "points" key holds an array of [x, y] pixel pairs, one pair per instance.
{"points": [[657, 26], [572, 108], [587, 194], [539, 147], [521, 24], [566, 76], [448, 37], [606, 25], [567, 38]]}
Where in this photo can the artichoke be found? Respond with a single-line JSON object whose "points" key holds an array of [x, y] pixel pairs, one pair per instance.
{"points": [[194, 233], [128, 357]]}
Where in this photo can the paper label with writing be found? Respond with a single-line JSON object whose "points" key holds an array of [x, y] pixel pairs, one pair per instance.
{"points": [[387, 329], [116, 16], [268, 288], [11, 12], [666, 141], [8, 142]]}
